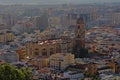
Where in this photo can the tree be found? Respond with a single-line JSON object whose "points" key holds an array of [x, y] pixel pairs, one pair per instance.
{"points": [[9, 72], [27, 73]]}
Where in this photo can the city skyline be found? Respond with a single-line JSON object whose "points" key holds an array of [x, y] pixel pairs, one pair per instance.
{"points": [[55, 1]]}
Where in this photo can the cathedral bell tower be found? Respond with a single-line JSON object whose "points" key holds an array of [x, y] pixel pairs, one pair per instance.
{"points": [[79, 40], [80, 33]]}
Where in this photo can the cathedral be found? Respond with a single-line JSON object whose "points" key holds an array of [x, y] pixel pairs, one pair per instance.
{"points": [[79, 40], [65, 44]]}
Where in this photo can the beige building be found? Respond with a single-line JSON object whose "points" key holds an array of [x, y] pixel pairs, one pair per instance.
{"points": [[49, 34], [6, 36], [9, 56], [54, 21], [60, 61], [48, 47], [116, 18], [40, 63], [42, 48], [22, 53], [66, 44]]}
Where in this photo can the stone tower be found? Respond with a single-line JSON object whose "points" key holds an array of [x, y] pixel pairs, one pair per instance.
{"points": [[79, 40]]}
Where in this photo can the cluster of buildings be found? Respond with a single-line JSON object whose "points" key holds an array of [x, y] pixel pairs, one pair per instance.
{"points": [[57, 47], [65, 55], [7, 21], [104, 40], [6, 36]]}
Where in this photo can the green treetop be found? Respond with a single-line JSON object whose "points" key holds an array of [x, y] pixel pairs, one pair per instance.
{"points": [[9, 72]]}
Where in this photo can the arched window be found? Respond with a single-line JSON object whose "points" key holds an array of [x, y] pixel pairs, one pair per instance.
{"points": [[36, 52], [44, 52], [58, 49], [78, 27], [51, 51]]}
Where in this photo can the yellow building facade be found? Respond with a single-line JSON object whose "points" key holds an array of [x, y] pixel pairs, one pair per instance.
{"points": [[6, 37], [40, 63], [60, 61], [42, 49]]}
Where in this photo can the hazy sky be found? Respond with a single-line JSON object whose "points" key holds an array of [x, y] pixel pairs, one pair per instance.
{"points": [[56, 1]]}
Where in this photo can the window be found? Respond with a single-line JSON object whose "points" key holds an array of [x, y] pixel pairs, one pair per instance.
{"points": [[51, 51], [58, 49], [78, 27], [36, 53], [44, 52]]}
